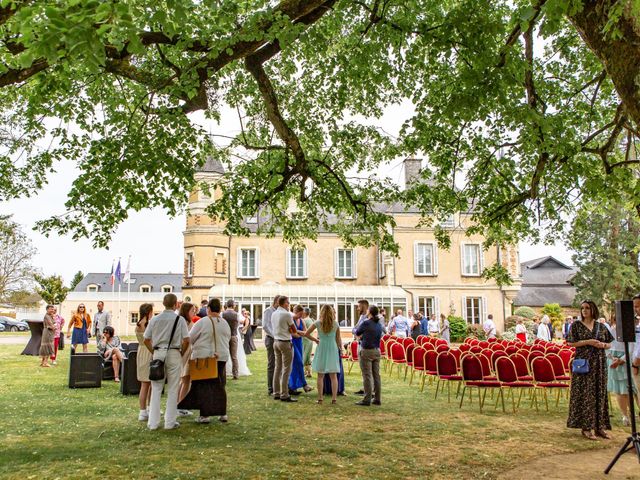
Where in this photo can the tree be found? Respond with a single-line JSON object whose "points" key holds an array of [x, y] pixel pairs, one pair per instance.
{"points": [[554, 312], [16, 252], [517, 104], [51, 289], [605, 238], [77, 278]]}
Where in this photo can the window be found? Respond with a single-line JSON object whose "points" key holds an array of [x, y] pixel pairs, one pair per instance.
{"points": [[345, 263], [188, 267], [473, 309], [252, 220], [471, 259], [428, 306], [248, 263], [296, 263], [167, 289], [187, 298], [345, 315], [382, 268], [92, 288], [449, 222], [220, 262], [133, 318], [145, 288], [425, 259]]}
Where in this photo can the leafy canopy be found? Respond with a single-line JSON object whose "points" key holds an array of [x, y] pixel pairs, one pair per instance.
{"points": [[510, 102]]}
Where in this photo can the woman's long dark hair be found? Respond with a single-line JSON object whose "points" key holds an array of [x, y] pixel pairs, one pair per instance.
{"points": [[184, 311], [595, 314], [375, 313], [145, 311]]}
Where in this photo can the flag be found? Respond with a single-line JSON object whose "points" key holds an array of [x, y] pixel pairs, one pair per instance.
{"points": [[112, 278], [118, 273], [127, 272]]}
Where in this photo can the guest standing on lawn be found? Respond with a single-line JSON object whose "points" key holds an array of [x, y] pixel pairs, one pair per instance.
{"points": [[617, 372], [187, 311], [81, 323], [158, 337], [283, 328], [589, 403], [297, 379], [48, 332], [59, 321], [521, 331], [326, 359], [143, 359], [370, 333], [109, 348], [267, 334], [445, 328], [306, 343]]}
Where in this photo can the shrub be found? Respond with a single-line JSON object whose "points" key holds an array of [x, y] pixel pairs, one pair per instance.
{"points": [[526, 312], [510, 321], [476, 331], [554, 311], [458, 328]]}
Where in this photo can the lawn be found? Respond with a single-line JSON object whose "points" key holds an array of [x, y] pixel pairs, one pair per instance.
{"points": [[49, 431]]}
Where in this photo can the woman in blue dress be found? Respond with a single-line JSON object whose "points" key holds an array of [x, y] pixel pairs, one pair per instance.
{"points": [[326, 361], [297, 378]]}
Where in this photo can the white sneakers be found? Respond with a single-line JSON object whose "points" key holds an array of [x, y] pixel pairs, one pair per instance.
{"points": [[184, 413], [223, 418], [143, 416], [202, 420], [172, 427]]}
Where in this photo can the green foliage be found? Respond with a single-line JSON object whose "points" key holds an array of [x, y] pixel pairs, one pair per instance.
{"points": [[16, 253], [511, 320], [51, 289], [604, 237], [77, 278], [554, 311], [476, 331], [526, 312], [458, 328], [23, 298]]}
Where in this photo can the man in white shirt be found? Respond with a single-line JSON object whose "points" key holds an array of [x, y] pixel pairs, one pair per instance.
{"points": [[283, 327], [267, 332], [100, 320], [433, 326], [399, 325], [158, 337], [543, 329], [489, 327]]}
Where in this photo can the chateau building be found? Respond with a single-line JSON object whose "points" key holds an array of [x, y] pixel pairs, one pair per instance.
{"points": [[253, 269]]}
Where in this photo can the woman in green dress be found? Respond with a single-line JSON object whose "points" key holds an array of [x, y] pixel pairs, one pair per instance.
{"points": [[307, 345], [326, 361]]}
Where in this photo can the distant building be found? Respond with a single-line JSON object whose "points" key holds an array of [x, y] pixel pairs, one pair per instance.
{"points": [[424, 277], [547, 280], [123, 303]]}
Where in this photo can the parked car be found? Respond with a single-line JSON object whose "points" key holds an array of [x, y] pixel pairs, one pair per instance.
{"points": [[2, 327], [13, 325]]}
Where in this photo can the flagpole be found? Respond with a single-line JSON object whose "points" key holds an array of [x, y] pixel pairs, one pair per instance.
{"points": [[119, 290], [128, 277]]}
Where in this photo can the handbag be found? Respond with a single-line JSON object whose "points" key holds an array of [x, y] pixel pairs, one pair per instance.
{"points": [[156, 367], [205, 368], [581, 365]]}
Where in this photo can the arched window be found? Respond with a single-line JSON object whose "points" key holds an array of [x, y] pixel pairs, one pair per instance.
{"points": [[92, 288], [145, 288]]}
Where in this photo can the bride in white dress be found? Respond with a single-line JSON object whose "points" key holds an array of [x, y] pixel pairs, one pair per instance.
{"points": [[243, 369]]}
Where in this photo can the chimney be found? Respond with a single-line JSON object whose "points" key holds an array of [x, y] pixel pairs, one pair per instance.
{"points": [[412, 167]]}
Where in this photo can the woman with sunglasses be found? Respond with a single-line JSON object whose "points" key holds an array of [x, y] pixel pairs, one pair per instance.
{"points": [[81, 323]]}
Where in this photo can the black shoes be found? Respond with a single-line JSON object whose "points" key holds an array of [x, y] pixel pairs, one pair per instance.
{"points": [[359, 392], [288, 400], [276, 397], [376, 402], [362, 403], [294, 392]]}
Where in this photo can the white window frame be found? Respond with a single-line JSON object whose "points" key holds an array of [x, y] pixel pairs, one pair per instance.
{"points": [[190, 261], [449, 222], [256, 273], [169, 287], [480, 263], [354, 264], [382, 268], [482, 309], [93, 288], [145, 286], [294, 274], [133, 318], [434, 259]]}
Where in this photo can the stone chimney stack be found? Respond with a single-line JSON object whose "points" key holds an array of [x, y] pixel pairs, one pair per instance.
{"points": [[412, 168]]}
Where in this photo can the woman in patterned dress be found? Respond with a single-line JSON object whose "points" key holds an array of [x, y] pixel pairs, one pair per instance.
{"points": [[589, 403], [48, 331]]}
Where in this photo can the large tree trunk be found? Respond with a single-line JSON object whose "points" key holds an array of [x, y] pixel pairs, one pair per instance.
{"points": [[620, 56]]}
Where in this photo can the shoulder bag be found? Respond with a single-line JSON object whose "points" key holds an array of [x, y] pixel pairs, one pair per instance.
{"points": [[156, 367], [581, 365], [205, 368]]}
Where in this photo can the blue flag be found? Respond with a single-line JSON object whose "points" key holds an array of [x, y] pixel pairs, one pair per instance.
{"points": [[118, 274]]}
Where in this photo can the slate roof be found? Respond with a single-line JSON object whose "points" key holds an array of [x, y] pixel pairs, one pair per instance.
{"points": [[211, 165], [546, 280], [155, 280]]}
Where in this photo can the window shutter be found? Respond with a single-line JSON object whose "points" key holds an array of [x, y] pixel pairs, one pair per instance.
{"points": [[435, 259], [305, 259], [239, 267], [257, 250], [481, 255], [354, 264], [415, 259], [437, 307], [336, 254], [483, 313], [462, 272], [288, 263], [464, 309]]}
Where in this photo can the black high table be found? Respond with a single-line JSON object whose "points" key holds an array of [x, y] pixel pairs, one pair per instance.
{"points": [[33, 347]]}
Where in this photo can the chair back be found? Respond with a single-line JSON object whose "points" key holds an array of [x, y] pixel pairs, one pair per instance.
{"points": [[397, 352], [485, 363], [484, 344], [440, 341], [422, 339], [465, 347], [418, 354], [496, 346], [542, 370], [556, 364], [492, 340], [506, 370], [383, 347], [511, 350], [520, 362], [442, 348], [476, 349], [474, 341], [496, 355], [566, 356], [429, 346], [456, 352], [534, 354], [353, 350], [408, 353], [407, 341], [430, 361], [386, 337], [446, 364], [538, 348], [471, 368]]}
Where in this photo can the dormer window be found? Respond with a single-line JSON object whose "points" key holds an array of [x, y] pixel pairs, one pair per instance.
{"points": [[145, 288], [92, 288], [167, 288]]}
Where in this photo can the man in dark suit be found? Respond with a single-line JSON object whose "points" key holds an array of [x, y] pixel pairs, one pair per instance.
{"points": [[231, 316], [566, 327], [203, 309]]}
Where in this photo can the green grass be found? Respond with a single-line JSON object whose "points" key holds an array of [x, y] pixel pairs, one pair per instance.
{"points": [[49, 431]]}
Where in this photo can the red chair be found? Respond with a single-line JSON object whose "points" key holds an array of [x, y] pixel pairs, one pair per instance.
{"points": [[440, 341], [522, 367], [492, 340], [352, 358], [465, 347], [496, 346], [408, 355], [418, 354], [442, 348], [566, 355], [422, 339], [558, 367], [485, 361], [483, 344], [447, 370], [472, 377], [429, 346], [533, 354], [386, 337], [430, 367], [396, 356], [474, 341], [544, 378], [345, 355], [511, 350], [508, 378], [495, 356], [456, 352], [476, 349], [383, 353], [406, 342], [539, 348], [468, 340]]}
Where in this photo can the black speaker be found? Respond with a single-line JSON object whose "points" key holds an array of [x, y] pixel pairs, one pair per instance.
{"points": [[129, 384], [625, 321]]}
